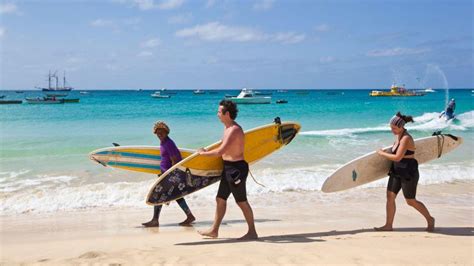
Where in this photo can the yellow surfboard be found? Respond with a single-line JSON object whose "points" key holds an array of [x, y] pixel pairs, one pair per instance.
{"points": [[196, 172]]}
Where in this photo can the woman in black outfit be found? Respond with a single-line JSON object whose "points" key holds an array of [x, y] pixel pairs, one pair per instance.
{"points": [[403, 173]]}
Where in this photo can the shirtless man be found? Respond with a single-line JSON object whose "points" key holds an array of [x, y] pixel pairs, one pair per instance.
{"points": [[235, 171]]}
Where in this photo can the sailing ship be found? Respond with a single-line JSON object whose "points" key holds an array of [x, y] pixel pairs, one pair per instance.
{"points": [[56, 88]]}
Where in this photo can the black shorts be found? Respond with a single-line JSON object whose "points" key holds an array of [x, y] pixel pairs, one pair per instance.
{"points": [[404, 175], [233, 181]]}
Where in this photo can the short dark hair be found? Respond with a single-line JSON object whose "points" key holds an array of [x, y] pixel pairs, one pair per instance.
{"points": [[231, 107]]}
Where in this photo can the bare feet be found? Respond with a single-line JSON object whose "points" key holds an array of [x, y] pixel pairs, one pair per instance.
{"points": [[383, 228], [152, 223], [188, 220], [249, 236], [431, 225], [209, 233]]}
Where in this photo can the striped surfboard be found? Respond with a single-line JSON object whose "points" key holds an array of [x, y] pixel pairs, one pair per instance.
{"points": [[145, 159]]}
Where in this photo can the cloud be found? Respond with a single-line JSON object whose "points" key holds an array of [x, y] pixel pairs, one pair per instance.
{"points": [[180, 19], [396, 52], [144, 4], [210, 3], [326, 59], [215, 32], [150, 4], [263, 4], [288, 37], [145, 54], [170, 4], [322, 28], [103, 23], [8, 8], [151, 43], [2, 32], [116, 25]]}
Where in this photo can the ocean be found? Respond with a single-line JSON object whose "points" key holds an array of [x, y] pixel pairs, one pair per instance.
{"points": [[44, 164]]}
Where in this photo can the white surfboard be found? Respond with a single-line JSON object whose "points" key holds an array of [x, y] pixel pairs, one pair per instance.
{"points": [[372, 166]]}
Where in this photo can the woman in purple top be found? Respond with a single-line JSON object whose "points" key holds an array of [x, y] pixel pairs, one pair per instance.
{"points": [[170, 155]]}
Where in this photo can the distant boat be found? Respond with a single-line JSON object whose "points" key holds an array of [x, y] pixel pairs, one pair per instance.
{"points": [[56, 88], [84, 92], [429, 90], [282, 101], [166, 91], [282, 91], [247, 96], [71, 100], [199, 92], [44, 100], [10, 101], [158, 94], [396, 91], [56, 94]]}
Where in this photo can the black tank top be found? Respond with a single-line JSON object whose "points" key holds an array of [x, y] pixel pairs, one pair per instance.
{"points": [[407, 152]]}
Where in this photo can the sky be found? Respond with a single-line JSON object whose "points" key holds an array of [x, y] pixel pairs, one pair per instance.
{"points": [[230, 44]]}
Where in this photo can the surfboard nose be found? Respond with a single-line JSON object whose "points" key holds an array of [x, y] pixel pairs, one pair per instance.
{"points": [[288, 132]]}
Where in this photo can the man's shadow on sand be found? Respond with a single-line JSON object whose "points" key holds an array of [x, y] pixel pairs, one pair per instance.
{"points": [[316, 237], [224, 223]]}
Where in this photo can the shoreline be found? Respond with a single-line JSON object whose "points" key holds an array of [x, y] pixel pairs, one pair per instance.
{"points": [[294, 227]]}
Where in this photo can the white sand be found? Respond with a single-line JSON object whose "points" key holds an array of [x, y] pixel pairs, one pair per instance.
{"points": [[294, 228]]}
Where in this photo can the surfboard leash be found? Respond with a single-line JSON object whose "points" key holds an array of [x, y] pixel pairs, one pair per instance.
{"points": [[255, 180]]}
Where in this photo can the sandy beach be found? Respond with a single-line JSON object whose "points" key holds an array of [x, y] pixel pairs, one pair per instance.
{"points": [[294, 228]]}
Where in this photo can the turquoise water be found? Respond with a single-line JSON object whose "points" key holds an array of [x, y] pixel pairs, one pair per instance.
{"points": [[45, 147]]}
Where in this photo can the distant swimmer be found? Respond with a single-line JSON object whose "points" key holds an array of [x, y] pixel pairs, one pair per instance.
{"points": [[403, 173], [449, 112]]}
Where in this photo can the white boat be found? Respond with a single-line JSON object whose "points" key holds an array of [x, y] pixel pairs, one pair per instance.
{"points": [[84, 92], [429, 90], [199, 91], [158, 94], [247, 96]]}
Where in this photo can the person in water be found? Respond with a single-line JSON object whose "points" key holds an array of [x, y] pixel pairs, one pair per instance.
{"points": [[403, 173], [235, 171], [449, 112], [170, 155]]}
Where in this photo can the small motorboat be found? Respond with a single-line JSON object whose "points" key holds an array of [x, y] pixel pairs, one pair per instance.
{"points": [[72, 100], [247, 96], [11, 101], [199, 92], [55, 94], [158, 94], [282, 101], [44, 100]]}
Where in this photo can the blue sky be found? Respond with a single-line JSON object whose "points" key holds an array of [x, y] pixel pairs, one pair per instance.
{"points": [[151, 44]]}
